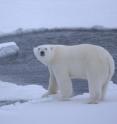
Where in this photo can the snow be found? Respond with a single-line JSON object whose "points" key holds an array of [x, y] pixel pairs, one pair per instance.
{"points": [[51, 111], [8, 49], [7, 44], [16, 92]]}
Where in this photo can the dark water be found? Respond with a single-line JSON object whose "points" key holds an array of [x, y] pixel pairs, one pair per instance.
{"points": [[9, 102], [27, 70]]}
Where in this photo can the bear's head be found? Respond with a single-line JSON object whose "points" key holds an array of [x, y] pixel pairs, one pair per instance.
{"points": [[44, 53]]}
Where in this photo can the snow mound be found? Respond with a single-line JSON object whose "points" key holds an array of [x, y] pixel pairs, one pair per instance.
{"points": [[8, 51], [10, 91], [52, 111], [7, 44]]}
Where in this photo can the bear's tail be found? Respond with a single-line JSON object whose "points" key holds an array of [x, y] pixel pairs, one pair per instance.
{"points": [[111, 65]]}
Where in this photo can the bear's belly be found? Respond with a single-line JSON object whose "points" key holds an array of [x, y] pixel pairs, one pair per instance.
{"points": [[77, 72]]}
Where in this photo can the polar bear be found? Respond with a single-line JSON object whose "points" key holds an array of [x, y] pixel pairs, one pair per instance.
{"points": [[84, 61]]}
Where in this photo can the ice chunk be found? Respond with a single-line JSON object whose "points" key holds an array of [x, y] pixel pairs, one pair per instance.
{"points": [[8, 52]]}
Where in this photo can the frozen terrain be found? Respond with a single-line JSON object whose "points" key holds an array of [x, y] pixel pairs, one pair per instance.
{"points": [[36, 110]]}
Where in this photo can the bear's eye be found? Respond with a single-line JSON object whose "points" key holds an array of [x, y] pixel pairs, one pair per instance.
{"points": [[38, 48]]}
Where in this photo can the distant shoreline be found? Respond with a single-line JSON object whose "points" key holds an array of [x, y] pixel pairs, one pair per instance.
{"points": [[21, 31]]}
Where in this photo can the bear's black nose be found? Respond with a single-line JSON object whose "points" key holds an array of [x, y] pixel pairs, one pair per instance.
{"points": [[42, 53]]}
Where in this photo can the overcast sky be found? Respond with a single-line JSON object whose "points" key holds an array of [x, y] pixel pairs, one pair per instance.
{"points": [[56, 13]]}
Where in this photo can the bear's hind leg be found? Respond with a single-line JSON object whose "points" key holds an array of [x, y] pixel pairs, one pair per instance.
{"points": [[104, 89], [95, 91]]}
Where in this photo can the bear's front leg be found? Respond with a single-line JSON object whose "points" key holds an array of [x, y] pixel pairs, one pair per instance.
{"points": [[64, 85], [52, 88]]}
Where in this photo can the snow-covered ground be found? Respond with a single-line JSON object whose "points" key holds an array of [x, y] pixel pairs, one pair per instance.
{"points": [[52, 111]]}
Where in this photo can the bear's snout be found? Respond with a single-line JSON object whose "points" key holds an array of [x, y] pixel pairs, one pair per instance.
{"points": [[42, 53]]}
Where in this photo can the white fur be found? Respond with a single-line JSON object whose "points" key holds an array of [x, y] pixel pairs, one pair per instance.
{"points": [[83, 61]]}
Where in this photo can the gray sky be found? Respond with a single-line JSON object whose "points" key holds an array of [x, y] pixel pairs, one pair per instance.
{"points": [[56, 13]]}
